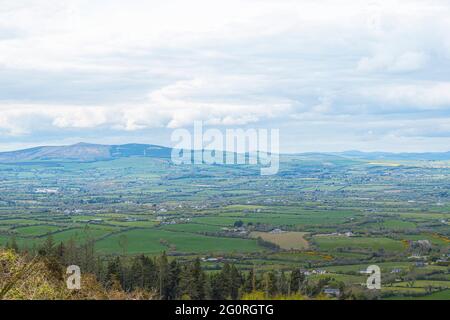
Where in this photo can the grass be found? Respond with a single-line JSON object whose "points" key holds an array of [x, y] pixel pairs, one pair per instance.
{"points": [[424, 283], [334, 242], [191, 227], [276, 219], [440, 295], [13, 222], [142, 224], [392, 225], [303, 256], [154, 241], [33, 231], [352, 279], [81, 234], [403, 290]]}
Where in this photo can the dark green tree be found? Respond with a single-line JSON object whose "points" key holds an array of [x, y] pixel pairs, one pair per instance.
{"points": [[114, 272], [196, 289], [297, 280], [250, 284], [270, 284], [172, 288], [235, 282]]}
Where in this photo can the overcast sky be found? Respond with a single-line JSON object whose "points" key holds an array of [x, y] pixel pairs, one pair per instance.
{"points": [[331, 75]]}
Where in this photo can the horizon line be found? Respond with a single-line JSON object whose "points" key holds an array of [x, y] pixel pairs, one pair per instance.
{"points": [[168, 147]]}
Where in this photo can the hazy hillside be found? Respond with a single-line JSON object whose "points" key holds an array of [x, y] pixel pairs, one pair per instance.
{"points": [[84, 152], [426, 156]]}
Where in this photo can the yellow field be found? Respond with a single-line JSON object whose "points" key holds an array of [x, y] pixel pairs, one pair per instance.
{"points": [[286, 240]]}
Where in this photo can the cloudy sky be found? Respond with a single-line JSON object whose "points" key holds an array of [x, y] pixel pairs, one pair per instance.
{"points": [[331, 75]]}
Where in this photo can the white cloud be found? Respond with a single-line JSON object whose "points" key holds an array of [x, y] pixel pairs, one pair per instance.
{"points": [[172, 106], [423, 96], [79, 65], [408, 61]]}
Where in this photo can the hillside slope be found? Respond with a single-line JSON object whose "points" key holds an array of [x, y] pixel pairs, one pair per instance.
{"points": [[84, 152]]}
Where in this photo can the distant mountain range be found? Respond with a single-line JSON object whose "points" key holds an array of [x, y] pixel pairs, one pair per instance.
{"points": [[395, 156], [84, 152]]}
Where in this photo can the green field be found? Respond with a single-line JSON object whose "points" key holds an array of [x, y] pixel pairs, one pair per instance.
{"points": [[140, 205], [154, 241], [36, 230], [331, 243]]}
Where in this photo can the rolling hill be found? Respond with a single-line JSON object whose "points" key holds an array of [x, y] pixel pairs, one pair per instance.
{"points": [[84, 152]]}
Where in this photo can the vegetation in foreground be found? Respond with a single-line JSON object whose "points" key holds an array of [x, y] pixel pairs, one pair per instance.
{"points": [[41, 275]]}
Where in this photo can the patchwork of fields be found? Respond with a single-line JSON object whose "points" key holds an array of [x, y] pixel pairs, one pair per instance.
{"points": [[328, 216]]}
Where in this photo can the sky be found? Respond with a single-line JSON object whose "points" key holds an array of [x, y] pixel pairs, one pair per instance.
{"points": [[330, 75]]}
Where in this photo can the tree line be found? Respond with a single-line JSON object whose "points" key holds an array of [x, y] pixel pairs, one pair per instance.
{"points": [[169, 278]]}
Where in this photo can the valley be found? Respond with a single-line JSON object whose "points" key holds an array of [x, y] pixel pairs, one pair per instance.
{"points": [[329, 215]]}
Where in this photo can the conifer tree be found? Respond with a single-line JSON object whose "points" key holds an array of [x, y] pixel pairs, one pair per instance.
{"points": [[172, 287], [163, 274], [114, 272], [297, 280], [235, 281], [198, 278]]}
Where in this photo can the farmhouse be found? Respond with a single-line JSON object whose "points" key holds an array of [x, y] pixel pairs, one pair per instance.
{"points": [[332, 291]]}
